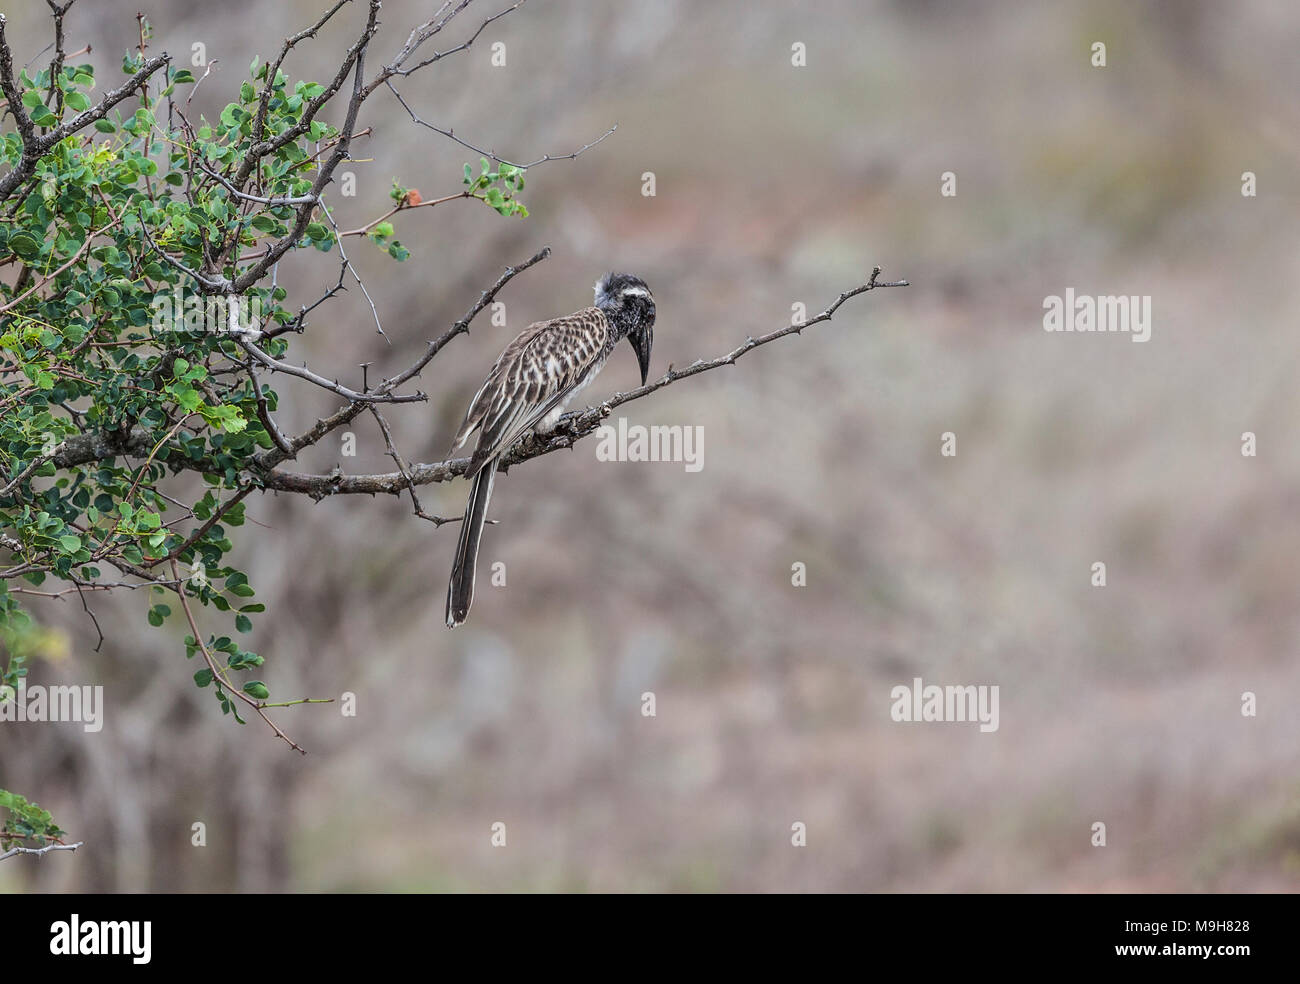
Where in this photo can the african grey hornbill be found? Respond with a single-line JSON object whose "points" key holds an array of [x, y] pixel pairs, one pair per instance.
{"points": [[533, 380]]}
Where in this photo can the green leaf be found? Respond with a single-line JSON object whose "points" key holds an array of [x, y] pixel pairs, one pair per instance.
{"points": [[243, 623], [187, 397], [203, 677], [257, 690], [24, 245]]}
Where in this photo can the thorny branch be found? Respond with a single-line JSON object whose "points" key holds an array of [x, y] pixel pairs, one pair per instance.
{"points": [[572, 426]]}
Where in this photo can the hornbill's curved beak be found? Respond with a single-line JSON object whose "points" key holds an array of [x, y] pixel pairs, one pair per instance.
{"points": [[642, 342]]}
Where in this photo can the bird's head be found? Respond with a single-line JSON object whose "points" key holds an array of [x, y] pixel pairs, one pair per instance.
{"points": [[629, 305]]}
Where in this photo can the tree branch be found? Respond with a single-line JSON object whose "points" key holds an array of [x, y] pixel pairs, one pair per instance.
{"points": [[422, 34], [40, 851], [259, 119], [491, 154], [406, 475], [571, 428], [312, 106], [302, 372], [462, 326]]}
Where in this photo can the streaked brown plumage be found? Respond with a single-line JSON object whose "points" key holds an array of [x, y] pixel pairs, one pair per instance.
{"points": [[535, 377]]}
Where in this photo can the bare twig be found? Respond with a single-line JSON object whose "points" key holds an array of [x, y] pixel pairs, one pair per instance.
{"points": [[401, 467], [491, 154], [212, 63], [374, 311], [362, 230], [40, 851], [273, 202], [462, 326], [423, 33], [334, 386], [264, 412], [56, 63], [98, 631], [82, 585], [751, 343]]}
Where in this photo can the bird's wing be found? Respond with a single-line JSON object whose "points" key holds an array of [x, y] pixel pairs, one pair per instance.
{"points": [[534, 373]]}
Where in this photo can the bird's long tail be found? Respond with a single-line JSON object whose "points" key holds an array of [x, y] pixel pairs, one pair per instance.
{"points": [[460, 592]]}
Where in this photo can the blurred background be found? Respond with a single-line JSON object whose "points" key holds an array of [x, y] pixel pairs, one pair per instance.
{"points": [[775, 184]]}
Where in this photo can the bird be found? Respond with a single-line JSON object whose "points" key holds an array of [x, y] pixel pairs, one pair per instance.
{"points": [[530, 385]]}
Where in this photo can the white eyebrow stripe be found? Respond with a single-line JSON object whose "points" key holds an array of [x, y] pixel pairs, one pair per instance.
{"points": [[636, 291]]}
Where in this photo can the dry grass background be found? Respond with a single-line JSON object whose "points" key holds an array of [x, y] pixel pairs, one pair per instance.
{"points": [[775, 185]]}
